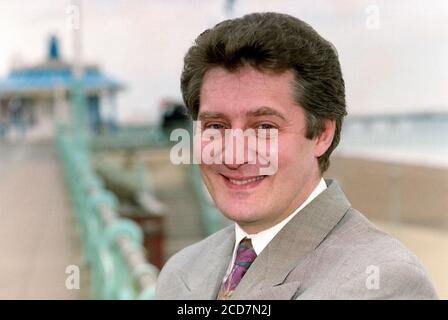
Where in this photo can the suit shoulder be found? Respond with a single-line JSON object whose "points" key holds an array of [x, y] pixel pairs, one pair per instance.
{"points": [[388, 280], [357, 250], [361, 237]]}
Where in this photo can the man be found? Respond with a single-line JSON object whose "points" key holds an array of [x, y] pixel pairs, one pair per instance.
{"points": [[295, 234]]}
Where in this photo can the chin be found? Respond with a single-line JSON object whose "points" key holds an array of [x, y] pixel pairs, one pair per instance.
{"points": [[244, 214]]}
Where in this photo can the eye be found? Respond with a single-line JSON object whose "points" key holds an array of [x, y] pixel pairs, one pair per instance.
{"points": [[265, 130], [216, 126], [265, 126]]}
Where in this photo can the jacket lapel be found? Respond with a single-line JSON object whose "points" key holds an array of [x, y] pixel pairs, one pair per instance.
{"points": [[265, 278], [204, 283]]}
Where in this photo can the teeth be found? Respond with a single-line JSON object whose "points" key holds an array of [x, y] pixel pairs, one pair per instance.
{"points": [[241, 182]]}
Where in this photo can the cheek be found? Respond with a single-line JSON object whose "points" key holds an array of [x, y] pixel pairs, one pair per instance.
{"points": [[295, 154], [210, 179], [210, 174]]}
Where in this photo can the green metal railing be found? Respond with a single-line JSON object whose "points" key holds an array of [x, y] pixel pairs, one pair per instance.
{"points": [[212, 218], [112, 245], [130, 138]]}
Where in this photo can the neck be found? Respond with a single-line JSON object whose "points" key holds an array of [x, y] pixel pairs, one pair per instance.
{"points": [[260, 226]]}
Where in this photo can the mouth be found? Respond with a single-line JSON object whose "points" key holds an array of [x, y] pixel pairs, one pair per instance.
{"points": [[242, 183]]}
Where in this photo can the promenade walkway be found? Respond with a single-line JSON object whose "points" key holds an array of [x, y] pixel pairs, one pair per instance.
{"points": [[38, 236]]}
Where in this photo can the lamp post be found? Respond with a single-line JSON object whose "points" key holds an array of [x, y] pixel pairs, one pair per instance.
{"points": [[79, 112]]}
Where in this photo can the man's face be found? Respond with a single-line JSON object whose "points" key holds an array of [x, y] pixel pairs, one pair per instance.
{"points": [[250, 99]]}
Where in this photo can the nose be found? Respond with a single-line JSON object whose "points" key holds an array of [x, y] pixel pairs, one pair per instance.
{"points": [[233, 166], [236, 151]]}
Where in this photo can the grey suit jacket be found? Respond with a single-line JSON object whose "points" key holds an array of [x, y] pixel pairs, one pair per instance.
{"points": [[327, 251]]}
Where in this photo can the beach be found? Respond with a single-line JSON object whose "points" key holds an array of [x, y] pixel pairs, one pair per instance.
{"points": [[408, 201]]}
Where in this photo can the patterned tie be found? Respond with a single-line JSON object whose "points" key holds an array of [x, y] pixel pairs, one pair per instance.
{"points": [[245, 255]]}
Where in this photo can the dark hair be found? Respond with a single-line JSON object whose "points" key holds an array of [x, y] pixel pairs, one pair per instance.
{"points": [[273, 42]]}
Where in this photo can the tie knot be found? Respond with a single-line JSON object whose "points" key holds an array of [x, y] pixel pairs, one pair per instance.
{"points": [[245, 254]]}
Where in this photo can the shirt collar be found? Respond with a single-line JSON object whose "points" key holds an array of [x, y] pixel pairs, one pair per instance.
{"points": [[261, 240]]}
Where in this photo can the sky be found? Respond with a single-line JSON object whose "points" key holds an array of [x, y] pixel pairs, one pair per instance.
{"points": [[393, 53]]}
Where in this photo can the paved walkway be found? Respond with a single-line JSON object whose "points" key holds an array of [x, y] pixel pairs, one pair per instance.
{"points": [[38, 237]]}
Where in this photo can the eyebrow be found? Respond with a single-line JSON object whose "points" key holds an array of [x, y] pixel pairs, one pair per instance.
{"points": [[265, 111], [259, 112], [211, 115]]}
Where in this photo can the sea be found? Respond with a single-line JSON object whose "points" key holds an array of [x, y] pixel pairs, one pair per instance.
{"points": [[415, 138]]}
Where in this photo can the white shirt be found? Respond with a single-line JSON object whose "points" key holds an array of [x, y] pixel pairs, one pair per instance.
{"points": [[261, 240]]}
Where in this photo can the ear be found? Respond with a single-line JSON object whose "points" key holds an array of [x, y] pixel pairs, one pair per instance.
{"points": [[324, 140]]}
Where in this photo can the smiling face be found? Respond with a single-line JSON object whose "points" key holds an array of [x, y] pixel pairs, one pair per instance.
{"points": [[250, 99]]}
